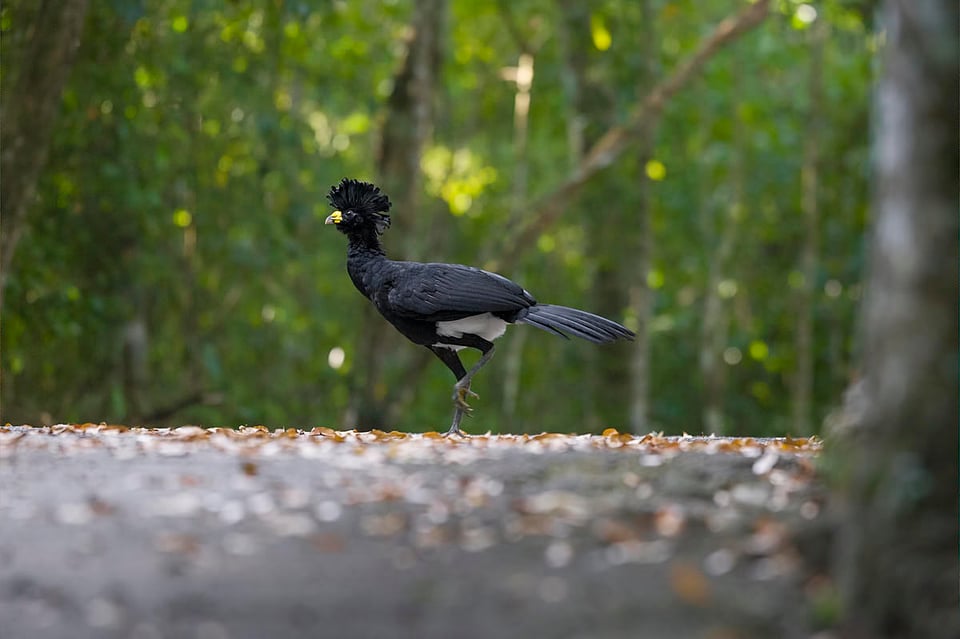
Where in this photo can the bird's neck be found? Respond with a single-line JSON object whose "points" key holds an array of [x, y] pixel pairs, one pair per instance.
{"points": [[364, 245], [365, 256]]}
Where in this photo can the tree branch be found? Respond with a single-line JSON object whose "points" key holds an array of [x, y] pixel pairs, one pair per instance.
{"points": [[547, 209]]}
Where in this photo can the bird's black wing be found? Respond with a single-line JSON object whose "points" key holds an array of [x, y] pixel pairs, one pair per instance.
{"points": [[443, 292]]}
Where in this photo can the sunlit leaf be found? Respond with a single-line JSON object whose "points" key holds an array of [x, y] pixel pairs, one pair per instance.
{"points": [[182, 218], [599, 32], [655, 170]]}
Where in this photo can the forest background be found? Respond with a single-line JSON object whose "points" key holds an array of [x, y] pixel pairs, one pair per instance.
{"points": [[698, 170]]}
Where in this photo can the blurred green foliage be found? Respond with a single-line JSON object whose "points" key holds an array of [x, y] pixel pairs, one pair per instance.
{"points": [[197, 139]]}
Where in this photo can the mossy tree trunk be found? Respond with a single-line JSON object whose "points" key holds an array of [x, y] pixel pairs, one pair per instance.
{"points": [[896, 558]]}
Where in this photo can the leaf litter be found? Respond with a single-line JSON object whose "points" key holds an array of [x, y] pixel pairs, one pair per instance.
{"points": [[627, 499]]}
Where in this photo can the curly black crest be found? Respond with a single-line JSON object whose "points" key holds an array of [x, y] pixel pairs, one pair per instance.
{"points": [[359, 197]]}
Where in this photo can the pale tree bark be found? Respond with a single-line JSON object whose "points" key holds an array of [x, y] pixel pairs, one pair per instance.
{"points": [[802, 387], [48, 36], [405, 132], [522, 77], [896, 557]]}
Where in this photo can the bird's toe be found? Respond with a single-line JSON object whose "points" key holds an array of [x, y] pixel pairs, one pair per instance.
{"points": [[460, 395]]}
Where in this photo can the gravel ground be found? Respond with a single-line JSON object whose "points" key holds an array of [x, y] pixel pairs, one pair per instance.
{"points": [[111, 532]]}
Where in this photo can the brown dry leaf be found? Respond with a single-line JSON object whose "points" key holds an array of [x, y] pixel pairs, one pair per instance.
{"points": [[558, 503], [384, 525], [669, 521], [190, 480], [328, 542], [689, 584], [249, 468], [254, 431], [389, 492], [187, 432], [613, 531], [541, 437], [177, 543], [117, 428], [100, 507], [769, 536], [726, 447], [527, 525]]}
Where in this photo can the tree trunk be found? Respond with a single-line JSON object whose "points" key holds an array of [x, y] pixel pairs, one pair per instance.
{"points": [[405, 132], [409, 122], [637, 267], [802, 400], [640, 296], [715, 328], [896, 558], [49, 37], [523, 78], [590, 113]]}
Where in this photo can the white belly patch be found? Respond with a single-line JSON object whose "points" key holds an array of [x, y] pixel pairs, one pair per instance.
{"points": [[485, 325]]}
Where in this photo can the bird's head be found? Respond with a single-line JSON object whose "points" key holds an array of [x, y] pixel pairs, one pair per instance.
{"points": [[359, 206]]}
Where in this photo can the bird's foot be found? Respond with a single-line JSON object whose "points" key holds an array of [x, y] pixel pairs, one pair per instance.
{"points": [[460, 394], [455, 432]]}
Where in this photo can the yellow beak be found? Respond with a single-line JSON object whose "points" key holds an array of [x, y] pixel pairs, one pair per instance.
{"points": [[334, 218]]}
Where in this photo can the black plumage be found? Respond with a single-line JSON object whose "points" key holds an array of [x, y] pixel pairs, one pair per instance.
{"points": [[445, 307]]}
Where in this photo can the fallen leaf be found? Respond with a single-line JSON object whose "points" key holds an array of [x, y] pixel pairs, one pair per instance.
{"points": [[689, 584]]}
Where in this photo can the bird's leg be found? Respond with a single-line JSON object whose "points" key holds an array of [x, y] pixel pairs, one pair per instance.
{"points": [[462, 388], [455, 425], [460, 392], [452, 360]]}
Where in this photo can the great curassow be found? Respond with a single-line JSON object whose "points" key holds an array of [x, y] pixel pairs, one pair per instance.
{"points": [[445, 307]]}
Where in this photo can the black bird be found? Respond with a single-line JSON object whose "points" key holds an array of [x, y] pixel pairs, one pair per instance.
{"points": [[445, 307]]}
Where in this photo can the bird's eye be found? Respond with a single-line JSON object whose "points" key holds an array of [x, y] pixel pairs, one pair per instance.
{"points": [[349, 215]]}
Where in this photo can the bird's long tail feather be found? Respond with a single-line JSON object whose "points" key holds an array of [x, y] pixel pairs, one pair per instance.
{"points": [[565, 321]]}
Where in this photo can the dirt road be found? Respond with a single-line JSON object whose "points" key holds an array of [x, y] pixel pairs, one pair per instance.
{"points": [[110, 532]]}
